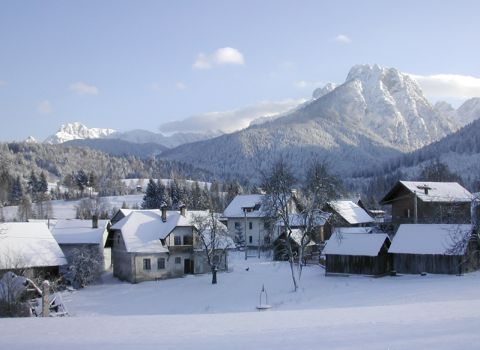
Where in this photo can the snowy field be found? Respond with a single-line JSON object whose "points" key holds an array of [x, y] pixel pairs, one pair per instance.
{"points": [[67, 209], [404, 312]]}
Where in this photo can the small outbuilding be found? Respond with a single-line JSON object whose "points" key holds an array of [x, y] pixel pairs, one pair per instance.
{"points": [[357, 253], [29, 249], [435, 248]]}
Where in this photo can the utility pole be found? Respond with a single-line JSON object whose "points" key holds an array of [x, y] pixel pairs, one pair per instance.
{"points": [[415, 210]]}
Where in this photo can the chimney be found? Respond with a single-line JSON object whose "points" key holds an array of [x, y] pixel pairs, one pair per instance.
{"points": [[163, 207], [94, 221], [183, 209]]}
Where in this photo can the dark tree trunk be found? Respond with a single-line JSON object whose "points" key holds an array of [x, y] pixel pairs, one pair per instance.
{"points": [[214, 275]]}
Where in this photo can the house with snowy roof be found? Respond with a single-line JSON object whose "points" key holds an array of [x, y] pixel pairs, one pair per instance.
{"points": [[346, 214], [157, 244], [357, 253], [428, 202], [246, 218], [435, 248], [29, 247], [87, 236]]}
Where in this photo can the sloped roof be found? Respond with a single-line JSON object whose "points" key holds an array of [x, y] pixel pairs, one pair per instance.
{"points": [[428, 238], [358, 244], [437, 191], [76, 231], [234, 209], [297, 219], [142, 230], [351, 212], [344, 230], [28, 244]]}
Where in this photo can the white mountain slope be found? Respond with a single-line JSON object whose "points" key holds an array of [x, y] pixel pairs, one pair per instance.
{"points": [[376, 113], [77, 131]]}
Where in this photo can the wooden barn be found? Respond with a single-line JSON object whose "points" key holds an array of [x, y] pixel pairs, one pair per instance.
{"points": [[345, 214], [428, 203], [280, 248], [435, 248], [357, 253]]}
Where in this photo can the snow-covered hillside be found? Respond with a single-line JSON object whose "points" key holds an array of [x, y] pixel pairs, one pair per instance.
{"points": [[377, 113], [403, 312]]}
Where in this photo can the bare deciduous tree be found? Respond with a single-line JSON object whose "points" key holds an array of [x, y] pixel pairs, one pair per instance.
{"points": [[212, 238]]}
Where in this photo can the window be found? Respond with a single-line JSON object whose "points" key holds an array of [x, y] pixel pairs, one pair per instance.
{"points": [[238, 226], [177, 240], [160, 263], [187, 240], [178, 260], [250, 239], [250, 225], [146, 264]]}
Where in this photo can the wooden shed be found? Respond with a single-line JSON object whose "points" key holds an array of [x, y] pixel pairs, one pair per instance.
{"points": [[357, 253], [435, 248]]}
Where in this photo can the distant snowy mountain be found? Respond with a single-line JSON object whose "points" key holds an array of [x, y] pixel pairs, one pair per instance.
{"points": [[77, 131], [31, 139], [469, 111], [376, 113]]}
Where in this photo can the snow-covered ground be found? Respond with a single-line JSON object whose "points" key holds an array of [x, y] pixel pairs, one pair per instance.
{"points": [[67, 209], [404, 312]]}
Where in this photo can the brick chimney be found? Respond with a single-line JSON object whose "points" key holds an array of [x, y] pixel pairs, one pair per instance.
{"points": [[94, 221], [163, 207]]}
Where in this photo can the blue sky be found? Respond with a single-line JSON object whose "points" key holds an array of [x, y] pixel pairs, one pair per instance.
{"points": [[141, 64]]}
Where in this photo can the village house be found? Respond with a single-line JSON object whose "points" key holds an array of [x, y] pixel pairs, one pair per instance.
{"points": [[158, 244], [29, 249], [247, 220], [345, 214], [428, 202], [75, 235], [357, 253], [435, 248]]}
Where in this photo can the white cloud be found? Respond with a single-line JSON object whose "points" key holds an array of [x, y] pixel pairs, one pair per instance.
{"points": [[229, 121], [307, 84], [448, 86], [223, 56], [82, 88], [343, 39], [180, 86], [44, 107]]}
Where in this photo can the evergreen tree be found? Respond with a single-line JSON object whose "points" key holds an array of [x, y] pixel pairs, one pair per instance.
{"points": [[16, 192], [42, 184], [32, 185], [150, 200]]}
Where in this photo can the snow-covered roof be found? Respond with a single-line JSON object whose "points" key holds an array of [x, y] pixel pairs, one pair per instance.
{"points": [[297, 235], [431, 191], [234, 209], [351, 212], [75, 231], [344, 230], [358, 244], [28, 244], [298, 219], [428, 238], [142, 230]]}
